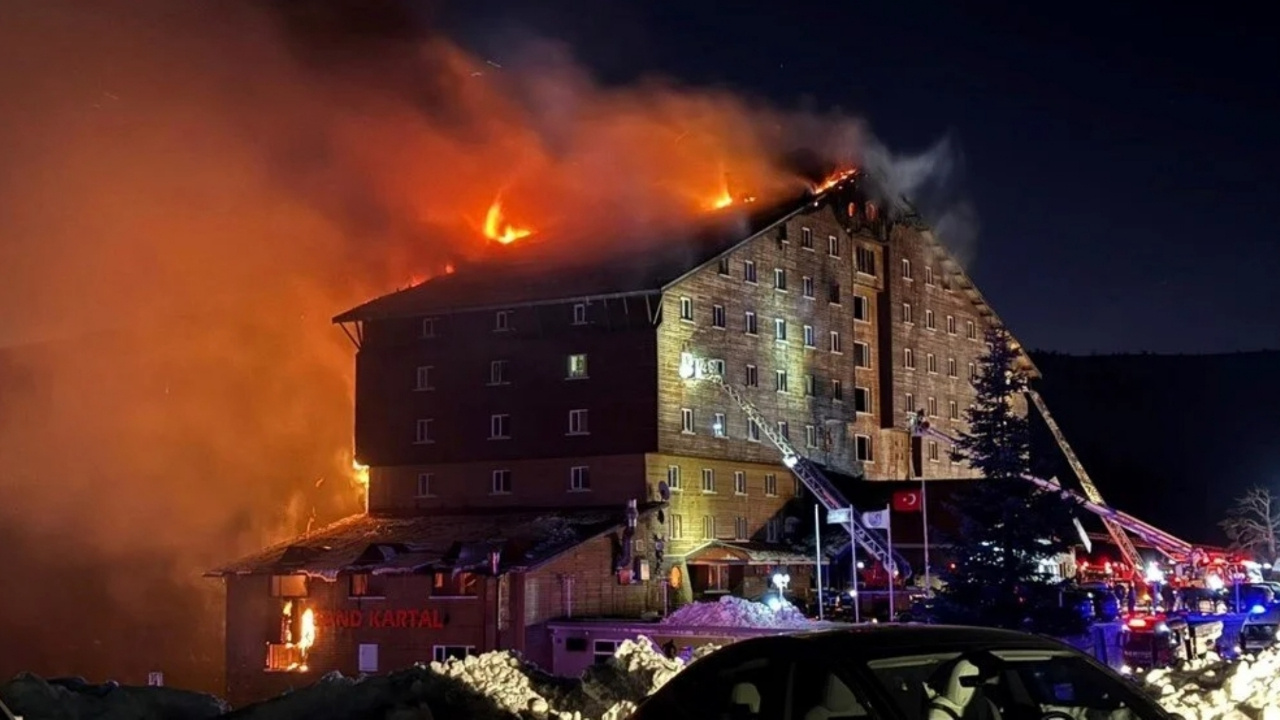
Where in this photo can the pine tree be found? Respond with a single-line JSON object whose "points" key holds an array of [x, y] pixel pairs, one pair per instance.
{"points": [[1008, 525]]}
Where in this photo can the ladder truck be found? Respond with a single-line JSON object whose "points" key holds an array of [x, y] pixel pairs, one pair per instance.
{"points": [[831, 499], [1116, 522]]}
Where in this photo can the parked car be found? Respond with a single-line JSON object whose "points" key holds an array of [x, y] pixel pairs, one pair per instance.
{"points": [[906, 672]]}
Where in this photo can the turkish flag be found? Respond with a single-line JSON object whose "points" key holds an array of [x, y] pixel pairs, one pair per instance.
{"points": [[906, 501]]}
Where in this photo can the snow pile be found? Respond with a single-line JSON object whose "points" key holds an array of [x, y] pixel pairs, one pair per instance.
{"points": [[636, 671], [738, 613], [499, 676], [1212, 688], [72, 698]]}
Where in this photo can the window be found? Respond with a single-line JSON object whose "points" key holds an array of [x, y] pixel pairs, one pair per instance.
{"points": [[806, 285], [865, 259], [739, 482], [579, 478], [929, 320], [753, 431], [717, 316], [861, 308], [673, 477], [811, 385], [861, 355], [784, 429], [833, 293], [366, 585], [498, 374], [289, 586], [837, 390], [862, 399], [718, 427], [953, 410], [451, 584], [677, 526], [806, 238], [749, 271], [862, 447], [780, 330], [908, 359], [931, 363], [951, 367], [907, 316], [973, 372], [928, 275], [499, 427], [808, 336], [835, 342], [423, 381], [780, 381], [752, 376], [951, 324], [580, 314], [441, 653], [686, 420], [422, 432], [749, 323], [933, 451], [500, 482], [771, 485], [740, 528], [502, 321], [577, 367], [773, 530], [933, 406], [833, 246], [953, 454], [686, 309], [428, 328], [367, 658], [909, 401], [723, 266], [970, 330], [708, 527], [811, 436], [425, 481], [780, 279], [906, 269], [716, 367], [578, 423]]}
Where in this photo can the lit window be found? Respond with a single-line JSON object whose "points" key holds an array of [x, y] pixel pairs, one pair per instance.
{"points": [[577, 366], [578, 422], [718, 427], [579, 478], [501, 482]]}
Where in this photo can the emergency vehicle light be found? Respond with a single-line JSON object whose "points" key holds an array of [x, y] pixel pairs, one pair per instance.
{"points": [[1137, 622]]}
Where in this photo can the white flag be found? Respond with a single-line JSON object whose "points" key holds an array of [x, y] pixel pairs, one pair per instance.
{"points": [[878, 519]]}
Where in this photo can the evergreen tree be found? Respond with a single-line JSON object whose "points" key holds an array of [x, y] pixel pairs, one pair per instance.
{"points": [[1008, 525]]}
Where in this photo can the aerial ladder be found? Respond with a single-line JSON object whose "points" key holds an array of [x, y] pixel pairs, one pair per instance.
{"points": [[1116, 522], [831, 499]]}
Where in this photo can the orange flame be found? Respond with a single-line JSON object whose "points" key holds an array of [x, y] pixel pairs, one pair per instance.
{"points": [[724, 198], [833, 180], [496, 227]]}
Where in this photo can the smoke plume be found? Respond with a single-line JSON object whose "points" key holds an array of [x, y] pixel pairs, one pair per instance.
{"points": [[189, 191]]}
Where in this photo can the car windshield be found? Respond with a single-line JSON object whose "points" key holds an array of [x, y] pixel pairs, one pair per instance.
{"points": [[995, 684]]}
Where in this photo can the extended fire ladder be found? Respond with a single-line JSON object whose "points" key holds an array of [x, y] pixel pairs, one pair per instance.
{"points": [[819, 484]]}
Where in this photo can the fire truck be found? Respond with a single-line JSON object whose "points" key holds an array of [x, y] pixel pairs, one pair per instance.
{"points": [[1157, 640]]}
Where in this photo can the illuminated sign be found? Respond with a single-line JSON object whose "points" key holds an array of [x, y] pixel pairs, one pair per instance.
{"points": [[418, 619]]}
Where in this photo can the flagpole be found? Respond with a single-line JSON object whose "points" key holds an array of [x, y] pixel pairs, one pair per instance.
{"points": [[853, 570], [893, 564], [924, 514], [817, 557]]}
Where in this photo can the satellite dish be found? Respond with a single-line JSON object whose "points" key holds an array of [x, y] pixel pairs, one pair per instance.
{"points": [[664, 491]]}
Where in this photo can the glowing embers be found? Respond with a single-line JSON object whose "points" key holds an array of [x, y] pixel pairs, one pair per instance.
{"points": [[297, 636], [833, 180], [496, 227]]}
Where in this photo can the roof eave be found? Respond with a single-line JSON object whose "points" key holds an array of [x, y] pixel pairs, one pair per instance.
{"points": [[355, 314]]}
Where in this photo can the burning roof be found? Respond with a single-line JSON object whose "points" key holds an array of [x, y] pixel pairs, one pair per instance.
{"points": [[392, 545]]}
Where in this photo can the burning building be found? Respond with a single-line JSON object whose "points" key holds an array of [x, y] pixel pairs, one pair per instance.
{"points": [[535, 454]]}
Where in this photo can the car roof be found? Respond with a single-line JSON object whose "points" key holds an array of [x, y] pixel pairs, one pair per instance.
{"points": [[869, 642]]}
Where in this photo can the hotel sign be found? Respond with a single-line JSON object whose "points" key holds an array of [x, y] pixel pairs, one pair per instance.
{"points": [[404, 619]]}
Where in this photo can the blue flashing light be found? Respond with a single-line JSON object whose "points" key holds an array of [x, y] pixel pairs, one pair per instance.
{"points": [[1257, 609]]}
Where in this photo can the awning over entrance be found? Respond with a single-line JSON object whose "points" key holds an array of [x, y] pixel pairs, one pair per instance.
{"points": [[718, 552]]}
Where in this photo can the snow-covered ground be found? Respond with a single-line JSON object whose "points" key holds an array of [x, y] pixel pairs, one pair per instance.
{"points": [[1248, 689], [738, 613]]}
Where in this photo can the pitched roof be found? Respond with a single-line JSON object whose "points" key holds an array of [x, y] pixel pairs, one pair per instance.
{"points": [[538, 275], [391, 545]]}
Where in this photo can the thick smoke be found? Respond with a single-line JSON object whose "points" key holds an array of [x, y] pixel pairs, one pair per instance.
{"points": [[189, 192]]}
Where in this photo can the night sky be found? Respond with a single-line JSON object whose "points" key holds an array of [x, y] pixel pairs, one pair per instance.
{"points": [[1122, 159]]}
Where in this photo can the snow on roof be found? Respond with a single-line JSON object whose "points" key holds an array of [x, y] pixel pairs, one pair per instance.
{"points": [[396, 544], [750, 553]]}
